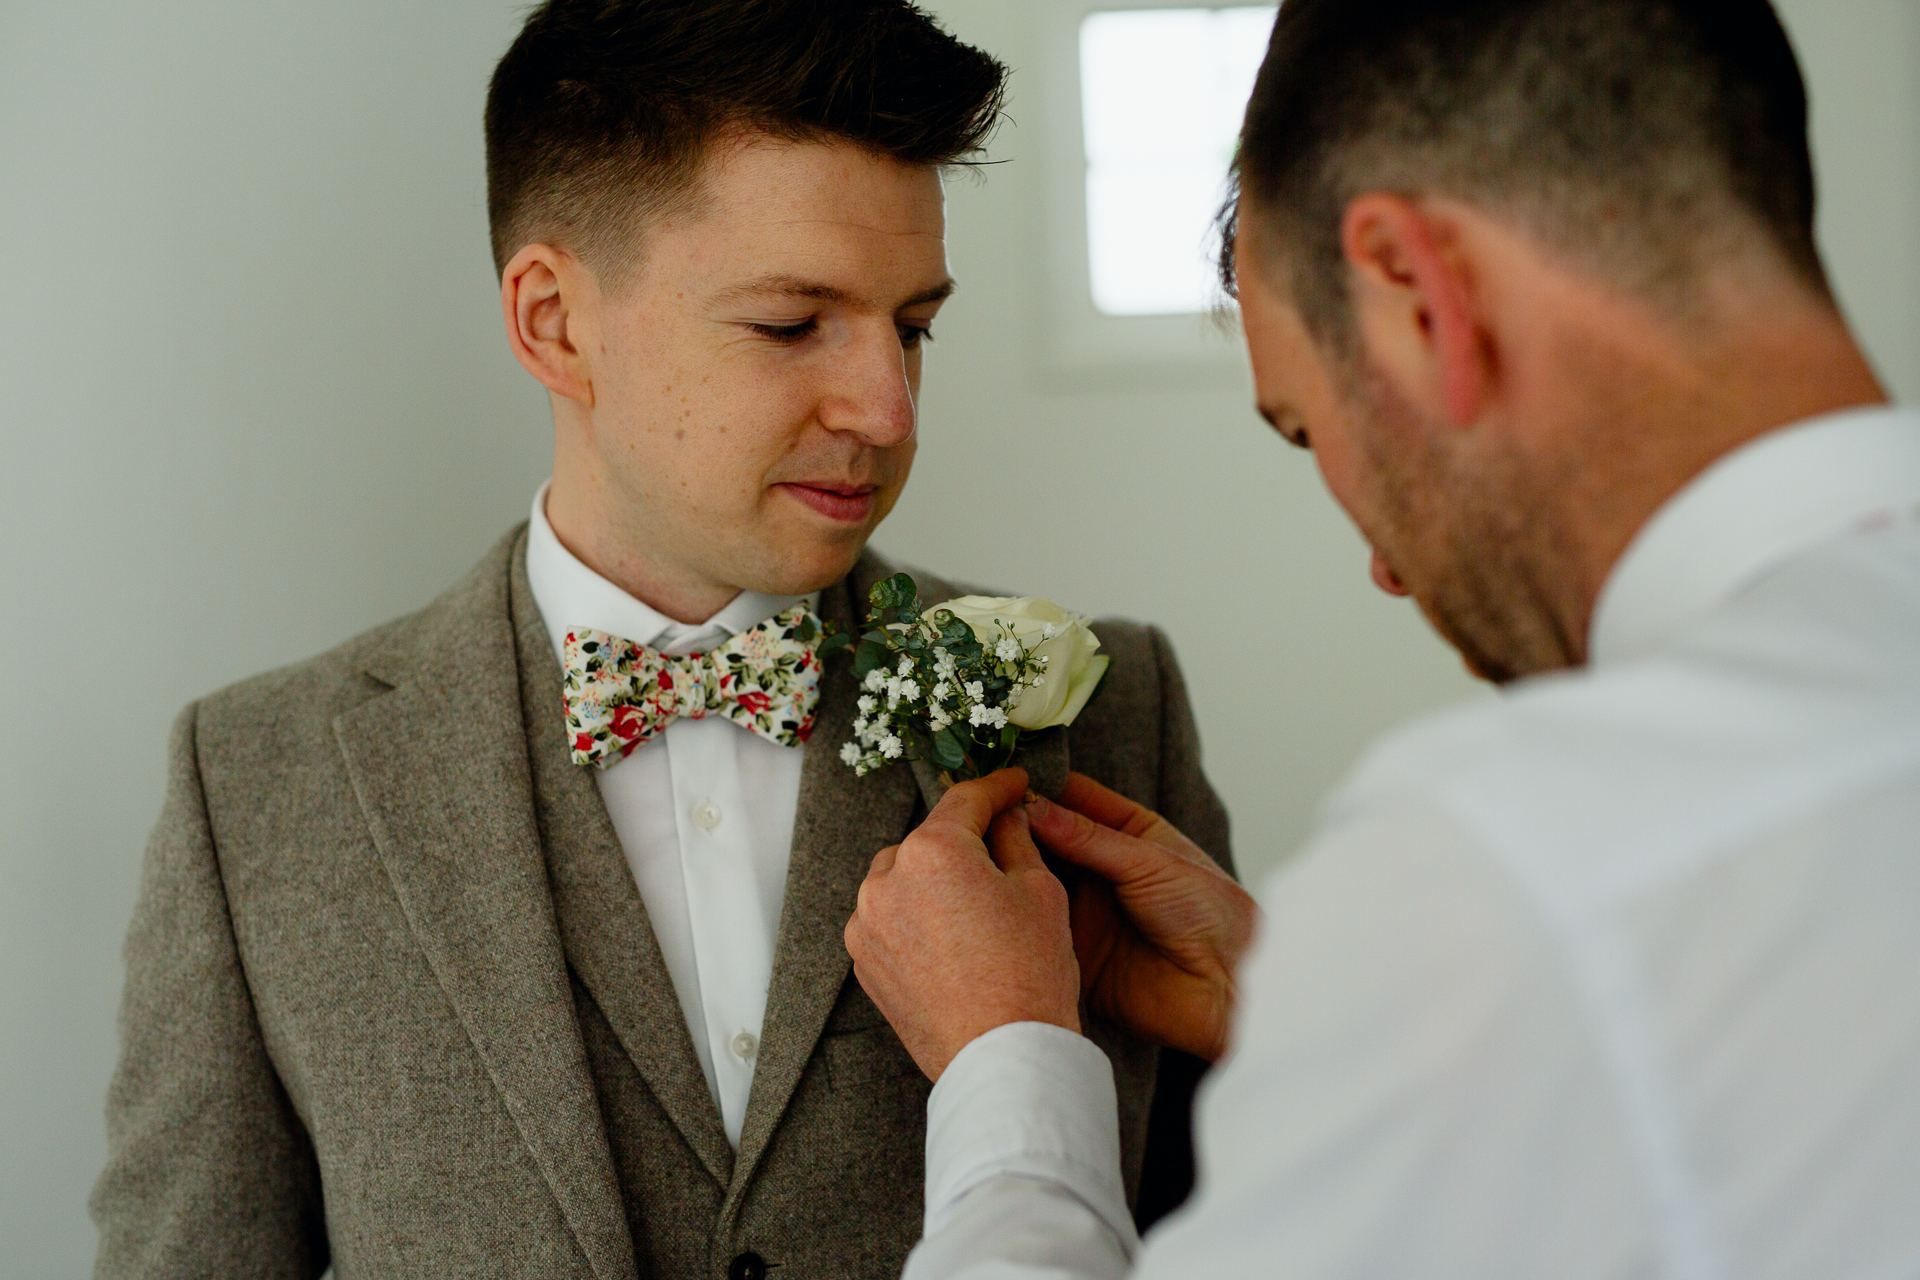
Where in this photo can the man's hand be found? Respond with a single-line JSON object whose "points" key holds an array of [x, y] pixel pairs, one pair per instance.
{"points": [[1161, 931], [962, 928]]}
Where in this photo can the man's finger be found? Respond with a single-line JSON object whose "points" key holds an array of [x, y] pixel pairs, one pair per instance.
{"points": [[1111, 809], [1011, 844], [1111, 854], [883, 861], [1106, 807], [974, 805]]}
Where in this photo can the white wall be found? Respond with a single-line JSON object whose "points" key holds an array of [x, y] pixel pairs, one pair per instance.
{"points": [[253, 399]]}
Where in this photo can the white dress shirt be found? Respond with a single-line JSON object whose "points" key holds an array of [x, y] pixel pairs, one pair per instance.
{"points": [[704, 813], [1618, 975]]}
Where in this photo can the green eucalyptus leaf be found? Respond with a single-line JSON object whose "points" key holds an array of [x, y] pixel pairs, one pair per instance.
{"points": [[834, 643], [947, 751], [867, 657]]}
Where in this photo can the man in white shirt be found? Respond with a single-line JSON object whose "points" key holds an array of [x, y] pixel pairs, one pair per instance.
{"points": [[505, 940], [1614, 976]]}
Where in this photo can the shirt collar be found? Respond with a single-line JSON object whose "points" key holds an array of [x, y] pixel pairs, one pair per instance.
{"points": [[1749, 511], [573, 597]]}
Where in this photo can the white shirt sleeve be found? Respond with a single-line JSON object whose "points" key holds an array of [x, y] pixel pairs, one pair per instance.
{"points": [[1023, 1162], [1412, 1092]]}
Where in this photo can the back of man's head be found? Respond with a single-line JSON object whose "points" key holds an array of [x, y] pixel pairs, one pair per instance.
{"points": [[1648, 139], [601, 114]]}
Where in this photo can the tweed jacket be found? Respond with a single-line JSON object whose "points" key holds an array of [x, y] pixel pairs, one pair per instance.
{"points": [[393, 1005]]}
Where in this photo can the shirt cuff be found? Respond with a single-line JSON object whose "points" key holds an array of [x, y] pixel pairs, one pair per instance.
{"points": [[1027, 1100]]}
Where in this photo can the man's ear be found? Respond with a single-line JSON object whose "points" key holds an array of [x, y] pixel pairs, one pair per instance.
{"points": [[1415, 306], [548, 299]]}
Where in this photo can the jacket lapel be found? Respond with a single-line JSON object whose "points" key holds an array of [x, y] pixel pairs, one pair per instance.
{"points": [[1043, 755], [603, 921], [439, 766], [842, 821]]}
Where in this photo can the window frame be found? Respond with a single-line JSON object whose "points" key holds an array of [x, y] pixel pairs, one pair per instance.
{"points": [[1077, 337]]}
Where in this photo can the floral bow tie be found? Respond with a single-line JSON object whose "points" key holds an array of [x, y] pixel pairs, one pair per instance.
{"points": [[619, 694]]}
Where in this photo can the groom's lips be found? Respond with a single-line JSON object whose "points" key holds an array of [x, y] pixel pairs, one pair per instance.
{"points": [[847, 504]]}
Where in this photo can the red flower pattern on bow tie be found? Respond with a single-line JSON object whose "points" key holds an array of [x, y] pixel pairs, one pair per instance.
{"points": [[619, 694]]}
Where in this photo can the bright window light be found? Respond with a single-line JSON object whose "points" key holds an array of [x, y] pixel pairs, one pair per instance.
{"points": [[1162, 94]]}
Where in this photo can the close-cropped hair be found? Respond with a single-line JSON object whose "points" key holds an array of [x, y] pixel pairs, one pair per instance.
{"points": [[1642, 138], [602, 113]]}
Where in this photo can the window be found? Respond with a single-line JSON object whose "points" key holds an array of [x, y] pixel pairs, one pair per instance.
{"points": [[1162, 92], [1138, 103]]}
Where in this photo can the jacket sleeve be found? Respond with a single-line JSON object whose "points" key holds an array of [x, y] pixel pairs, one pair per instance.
{"points": [[209, 1171]]}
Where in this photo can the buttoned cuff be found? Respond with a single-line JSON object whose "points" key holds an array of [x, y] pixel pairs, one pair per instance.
{"points": [[1027, 1100]]}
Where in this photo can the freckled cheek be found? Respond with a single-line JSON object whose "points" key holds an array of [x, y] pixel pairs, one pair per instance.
{"points": [[899, 466], [900, 461]]}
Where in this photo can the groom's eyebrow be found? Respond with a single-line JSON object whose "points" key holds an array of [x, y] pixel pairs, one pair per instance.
{"points": [[785, 286]]}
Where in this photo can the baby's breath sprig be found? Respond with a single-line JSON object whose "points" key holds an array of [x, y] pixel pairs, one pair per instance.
{"points": [[932, 689]]}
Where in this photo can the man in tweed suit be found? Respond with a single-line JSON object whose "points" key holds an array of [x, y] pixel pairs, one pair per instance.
{"points": [[417, 985]]}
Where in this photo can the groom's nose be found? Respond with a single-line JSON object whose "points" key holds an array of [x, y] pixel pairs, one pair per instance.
{"points": [[868, 392]]}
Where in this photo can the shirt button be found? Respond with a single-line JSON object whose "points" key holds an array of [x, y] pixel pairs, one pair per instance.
{"points": [[747, 1266], [744, 1044], [706, 815]]}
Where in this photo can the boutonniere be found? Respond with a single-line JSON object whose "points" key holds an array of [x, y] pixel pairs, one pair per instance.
{"points": [[956, 685]]}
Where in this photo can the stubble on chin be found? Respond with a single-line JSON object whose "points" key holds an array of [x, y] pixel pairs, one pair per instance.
{"points": [[1465, 529]]}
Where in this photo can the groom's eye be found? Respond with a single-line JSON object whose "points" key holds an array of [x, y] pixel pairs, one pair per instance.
{"points": [[787, 332], [912, 335]]}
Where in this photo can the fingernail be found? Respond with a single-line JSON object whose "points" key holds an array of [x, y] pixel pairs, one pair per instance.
{"points": [[1037, 804]]}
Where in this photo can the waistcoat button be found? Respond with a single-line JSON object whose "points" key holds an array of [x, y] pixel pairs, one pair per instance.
{"points": [[748, 1266]]}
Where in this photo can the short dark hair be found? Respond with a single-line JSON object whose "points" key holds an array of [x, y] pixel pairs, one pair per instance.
{"points": [[602, 110], [1636, 134]]}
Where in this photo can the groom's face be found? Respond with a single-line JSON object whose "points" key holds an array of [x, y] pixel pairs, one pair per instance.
{"points": [[755, 380]]}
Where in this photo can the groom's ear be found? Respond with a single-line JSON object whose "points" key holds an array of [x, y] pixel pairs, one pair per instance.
{"points": [[1412, 289], [549, 301]]}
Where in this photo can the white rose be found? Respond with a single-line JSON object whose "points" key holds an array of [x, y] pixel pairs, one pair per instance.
{"points": [[1074, 665]]}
